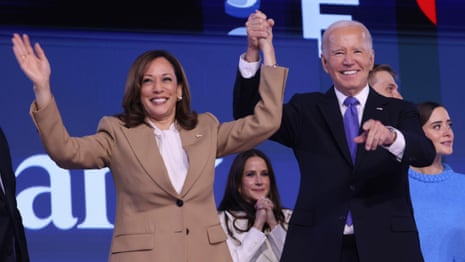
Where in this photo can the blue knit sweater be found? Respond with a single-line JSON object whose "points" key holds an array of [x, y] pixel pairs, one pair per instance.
{"points": [[439, 206]]}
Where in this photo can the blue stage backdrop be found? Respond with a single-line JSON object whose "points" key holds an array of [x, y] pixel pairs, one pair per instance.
{"points": [[69, 214]]}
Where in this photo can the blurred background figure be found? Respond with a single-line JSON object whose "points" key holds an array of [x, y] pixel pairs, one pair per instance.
{"points": [[251, 211], [13, 246], [437, 192], [383, 79]]}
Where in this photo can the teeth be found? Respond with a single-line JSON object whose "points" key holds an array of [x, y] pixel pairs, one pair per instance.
{"points": [[159, 100], [349, 72]]}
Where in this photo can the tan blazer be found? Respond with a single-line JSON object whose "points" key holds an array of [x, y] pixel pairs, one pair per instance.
{"points": [[153, 222]]}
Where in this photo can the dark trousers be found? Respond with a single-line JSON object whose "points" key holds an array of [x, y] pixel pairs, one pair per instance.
{"points": [[349, 249]]}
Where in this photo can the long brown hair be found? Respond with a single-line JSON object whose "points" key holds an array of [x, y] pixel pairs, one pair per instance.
{"points": [[233, 200], [134, 113]]}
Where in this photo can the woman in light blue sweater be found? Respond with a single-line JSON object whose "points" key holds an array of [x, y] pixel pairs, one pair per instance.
{"points": [[438, 193]]}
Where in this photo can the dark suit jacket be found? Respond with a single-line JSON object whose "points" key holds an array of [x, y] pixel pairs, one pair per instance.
{"points": [[375, 189], [10, 219]]}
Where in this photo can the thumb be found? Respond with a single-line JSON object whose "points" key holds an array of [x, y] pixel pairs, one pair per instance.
{"points": [[270, 22], [360, 138]]}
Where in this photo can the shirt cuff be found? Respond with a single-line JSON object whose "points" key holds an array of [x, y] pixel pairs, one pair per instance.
{"points": [[398, 146], [248, 69]]}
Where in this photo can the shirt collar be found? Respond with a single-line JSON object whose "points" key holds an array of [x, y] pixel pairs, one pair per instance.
{"points": [[158, 131], [361, 96]]}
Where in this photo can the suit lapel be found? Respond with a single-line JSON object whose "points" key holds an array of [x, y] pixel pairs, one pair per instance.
{"points": [[146, 150], [196, 160], [375, 108], [332, 114]]}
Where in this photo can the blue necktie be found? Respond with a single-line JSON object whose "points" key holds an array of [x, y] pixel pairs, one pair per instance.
{"points": [[351, 127]]}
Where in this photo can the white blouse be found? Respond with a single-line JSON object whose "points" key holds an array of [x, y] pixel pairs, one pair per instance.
{"points": [[175, 158], [255, 245]]}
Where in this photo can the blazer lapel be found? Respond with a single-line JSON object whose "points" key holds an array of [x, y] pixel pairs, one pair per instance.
{"points": [[375, 108], [332, 114], [145, 148], [196, 158]]}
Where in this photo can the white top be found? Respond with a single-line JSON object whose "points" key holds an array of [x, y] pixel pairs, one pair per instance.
{"points": [[175, 158], [255, 245]]}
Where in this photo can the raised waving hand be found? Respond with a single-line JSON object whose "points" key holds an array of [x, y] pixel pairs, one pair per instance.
{"points": [[35, 65]]}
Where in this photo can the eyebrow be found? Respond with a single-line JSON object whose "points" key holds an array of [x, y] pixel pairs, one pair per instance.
{"points": [[440, 122]]}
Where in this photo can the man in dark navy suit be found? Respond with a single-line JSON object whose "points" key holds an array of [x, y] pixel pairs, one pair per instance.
{"points": [[13, 246], [369, 186]]}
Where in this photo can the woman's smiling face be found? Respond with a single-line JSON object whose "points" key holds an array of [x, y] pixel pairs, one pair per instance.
{"points": [[255, 183], [160, 91], [438, 129]]}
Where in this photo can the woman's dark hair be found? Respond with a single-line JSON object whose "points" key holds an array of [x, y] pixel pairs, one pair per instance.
{"points": [[233, 201], [425, 109], [134, 113]]}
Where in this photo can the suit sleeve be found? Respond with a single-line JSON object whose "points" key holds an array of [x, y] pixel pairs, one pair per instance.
{"points": [[419, 150], [249, 131], [245, 95], [92, 151]]}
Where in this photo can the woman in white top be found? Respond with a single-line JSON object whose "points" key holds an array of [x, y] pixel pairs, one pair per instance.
{"points": [[251, 211]]}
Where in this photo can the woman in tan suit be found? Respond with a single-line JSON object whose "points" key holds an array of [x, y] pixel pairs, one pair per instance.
{"points": [[161, 153]]}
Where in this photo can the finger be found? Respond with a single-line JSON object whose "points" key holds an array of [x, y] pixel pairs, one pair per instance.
{"points": [[259, 14], [256, 25], [375, 137], [369, 131], [18, 46], [270, 206], [268, 203], [28, 45], [25, 43], [270, 22], [254, 19], [369, 140], [361, 138], [18, 41], [21, 47], [17, 53], [260, 204], [40, 52]]}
